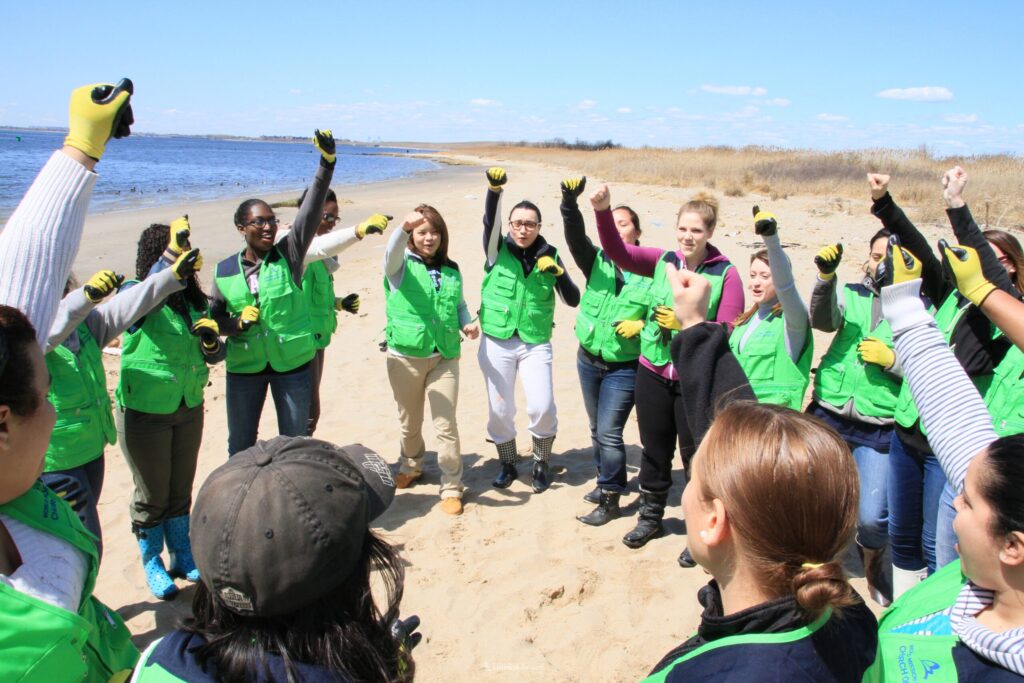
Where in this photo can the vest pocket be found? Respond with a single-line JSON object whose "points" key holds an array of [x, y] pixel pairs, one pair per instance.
{"points": [[407, 333]]}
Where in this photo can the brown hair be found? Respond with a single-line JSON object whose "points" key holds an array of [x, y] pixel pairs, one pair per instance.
{"points": [[759, 255], [704, 205], [436, 221], [1010, 246], [790, 489]]}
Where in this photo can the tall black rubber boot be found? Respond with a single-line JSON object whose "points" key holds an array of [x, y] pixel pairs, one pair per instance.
{"points": [[648, 525], [541, 453], [508, 457], [606, 510]]}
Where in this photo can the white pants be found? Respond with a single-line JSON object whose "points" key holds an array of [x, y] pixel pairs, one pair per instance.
{"points": [[500, 360]]}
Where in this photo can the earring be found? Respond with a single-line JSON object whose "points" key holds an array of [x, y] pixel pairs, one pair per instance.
{"points": [[703, 534]]}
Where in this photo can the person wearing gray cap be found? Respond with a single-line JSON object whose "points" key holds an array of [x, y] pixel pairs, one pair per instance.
{"points": [[281, 537]]}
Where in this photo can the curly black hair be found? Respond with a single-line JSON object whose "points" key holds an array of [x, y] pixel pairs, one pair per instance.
{"points": [[152, 243]]}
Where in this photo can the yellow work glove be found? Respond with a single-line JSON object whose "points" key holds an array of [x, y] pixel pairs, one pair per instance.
{"points": [[208, 332], [178, 243], [964, 264], [374, 225], [349, 303], [546, 264], [496, 178], [628, 328], [324, 141], [188, 263], [96, 114], [764, 222], [248, 317], [900, 264], [101, 285], [572, 188], [875, 351], [666, 318], [827, 260]]}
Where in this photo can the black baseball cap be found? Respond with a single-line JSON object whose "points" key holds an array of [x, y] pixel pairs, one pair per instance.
{"points": [[281, 524]]}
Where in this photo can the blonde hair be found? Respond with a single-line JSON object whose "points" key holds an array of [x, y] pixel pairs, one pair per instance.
{"points": [[790, 489], [705, 205]]}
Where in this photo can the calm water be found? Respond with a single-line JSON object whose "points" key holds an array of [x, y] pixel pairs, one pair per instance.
{"points": [[142, 171]]}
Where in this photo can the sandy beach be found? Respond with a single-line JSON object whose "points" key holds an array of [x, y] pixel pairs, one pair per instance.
{"points": [[515, 588]]}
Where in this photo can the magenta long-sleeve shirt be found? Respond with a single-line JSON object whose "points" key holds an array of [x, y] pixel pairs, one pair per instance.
{"points": [[643, 260]]}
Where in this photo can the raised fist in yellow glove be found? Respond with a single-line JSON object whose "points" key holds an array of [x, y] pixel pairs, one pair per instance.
{"points": [[827, 260], [101, 285], [899, 264], [178, 242], [628, 328], [188, 263], [572, 188], [964, 266], [546, 264], [496, 178], [248, 317], [764, 222], [97, 113], [324, 141], [374, 225], [875, 351]]}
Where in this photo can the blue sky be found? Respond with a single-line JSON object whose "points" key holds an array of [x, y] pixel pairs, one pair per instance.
{"points": [[794, 74]]}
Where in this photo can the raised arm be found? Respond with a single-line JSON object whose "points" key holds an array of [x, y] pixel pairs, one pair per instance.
{"points": [[826, 310], [635, 259], [582, 249], [794, 312], [394, 253], [496, 179], [1005, 311], [295, 245]]}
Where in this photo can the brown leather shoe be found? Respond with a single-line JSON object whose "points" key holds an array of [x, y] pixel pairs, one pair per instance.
{"points": [[404, 481], [451, 506]]}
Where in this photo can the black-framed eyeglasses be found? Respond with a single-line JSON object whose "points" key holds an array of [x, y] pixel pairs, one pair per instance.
{"points": [[330, 218], [524, 225], [261, 222]]}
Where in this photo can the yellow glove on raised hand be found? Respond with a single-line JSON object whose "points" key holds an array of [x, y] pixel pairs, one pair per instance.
{"points": [[628, 328], [208, 332], [765, 223], [97, 113], [546, 264], [101, 285], [496, 177], [248, 317], [827, 260], [875, 351], [666, 318], [178, 242], [324, 141], [964, 264], [572, 188], [188, 263], [900, 264], [374, 225]]}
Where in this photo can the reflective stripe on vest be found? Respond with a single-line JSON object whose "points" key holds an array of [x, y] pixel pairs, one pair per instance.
{"points": [[653, 346], [513, 304], [162, 364], [318, 286], [842, 375], [422, 319], [281, 337], [78, 392], [773, 376], [600, 308]]}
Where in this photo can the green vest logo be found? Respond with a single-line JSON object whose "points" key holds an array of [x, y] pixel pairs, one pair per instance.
{"points": [[909, 672]]}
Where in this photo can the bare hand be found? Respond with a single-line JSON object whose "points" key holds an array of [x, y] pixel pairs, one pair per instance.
{"points": [[879, 183], [472, 330], [601, 200], [953, 183], [413, 221], [691, 293]]}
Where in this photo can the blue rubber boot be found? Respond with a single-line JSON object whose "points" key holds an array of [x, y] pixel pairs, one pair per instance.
{"points": [[179, 547], [151, 544]]}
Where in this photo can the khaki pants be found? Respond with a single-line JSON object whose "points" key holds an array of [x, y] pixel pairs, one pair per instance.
{"points": [[416, 381]]}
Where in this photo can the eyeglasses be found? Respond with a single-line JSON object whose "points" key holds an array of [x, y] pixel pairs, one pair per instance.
{"points": [[330, 218], [524, 225], [261, 222]]}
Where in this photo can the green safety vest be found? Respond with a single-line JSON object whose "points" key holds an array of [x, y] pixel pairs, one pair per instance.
{"points": [[773, 376], [422, 319], [600, 308], [318, 286], [744, 639], [162, 364], [1005, 396], [511, 303], [78, 392], [909, 657], [842, 375], [42, 642], [281, 336]]}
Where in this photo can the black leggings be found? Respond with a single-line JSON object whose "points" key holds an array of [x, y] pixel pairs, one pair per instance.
{"points": [[662, 421]]}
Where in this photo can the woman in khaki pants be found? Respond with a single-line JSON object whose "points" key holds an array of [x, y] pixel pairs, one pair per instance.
{"points": [[426, 312]]}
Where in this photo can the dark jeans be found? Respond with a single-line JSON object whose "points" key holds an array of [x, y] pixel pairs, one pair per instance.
{"points": [[915, 485], [608, 398], [246, 395], [662, 420], [81, 487], [161, 451], [316, 373]]}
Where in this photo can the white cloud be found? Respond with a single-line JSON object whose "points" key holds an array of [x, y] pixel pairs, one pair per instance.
{"points": [[832, 117], [296, 91], [961, 118], [778, 102], [623, 110], [586, 104], [734, 90], [929, 93], [483, 102]]}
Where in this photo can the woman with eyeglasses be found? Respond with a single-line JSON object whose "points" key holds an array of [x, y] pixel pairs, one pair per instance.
{"points": [[517, 311], [258, 304]]}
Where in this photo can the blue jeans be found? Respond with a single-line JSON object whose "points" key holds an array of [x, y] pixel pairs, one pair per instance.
{"points": [[915, 486], [81, 487], [945, 537], [245, 397], [608, 398], [873, 513]]}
